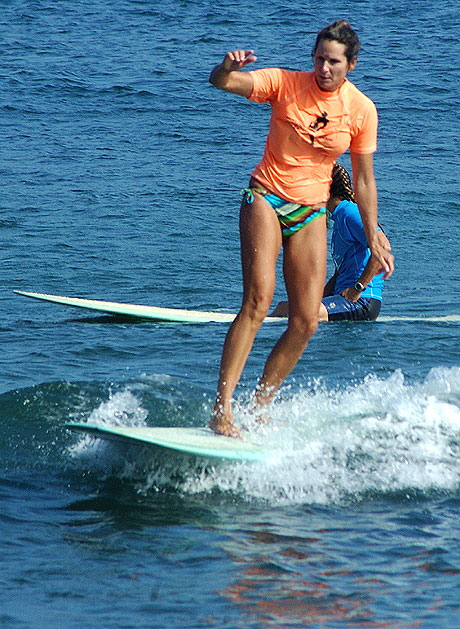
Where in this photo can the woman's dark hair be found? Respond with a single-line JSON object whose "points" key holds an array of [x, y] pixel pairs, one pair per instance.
{"points": [[341, 32], [341, 187]]}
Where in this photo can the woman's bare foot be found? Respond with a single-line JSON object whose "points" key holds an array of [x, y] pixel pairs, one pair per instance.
{"points": [[259, 407], [263, 418], [222, 424]]}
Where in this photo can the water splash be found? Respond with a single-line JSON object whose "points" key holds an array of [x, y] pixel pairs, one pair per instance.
{"points": [[379, 436]]}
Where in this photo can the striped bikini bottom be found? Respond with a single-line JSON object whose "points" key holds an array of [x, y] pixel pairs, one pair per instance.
{"points": [[292, 216]]}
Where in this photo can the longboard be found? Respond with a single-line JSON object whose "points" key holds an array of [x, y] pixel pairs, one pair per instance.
{"points": [[201, 442], [177, 315], [156, 313]]}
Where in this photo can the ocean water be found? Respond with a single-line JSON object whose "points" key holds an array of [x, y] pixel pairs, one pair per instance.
{"points": [[121, 169]]}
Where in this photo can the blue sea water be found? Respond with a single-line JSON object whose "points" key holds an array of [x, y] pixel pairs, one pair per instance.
{"points": [[121, 169]]}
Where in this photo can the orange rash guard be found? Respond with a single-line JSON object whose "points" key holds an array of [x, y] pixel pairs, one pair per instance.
{"points": [[309, 129]]}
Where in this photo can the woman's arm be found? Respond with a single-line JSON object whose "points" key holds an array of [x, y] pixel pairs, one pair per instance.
{"points": [[366, 197], [227, 76]]}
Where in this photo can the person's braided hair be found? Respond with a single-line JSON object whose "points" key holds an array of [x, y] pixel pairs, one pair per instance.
{"points": [[341, 187]]}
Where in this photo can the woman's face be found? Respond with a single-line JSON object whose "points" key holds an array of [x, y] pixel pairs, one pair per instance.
{"points": [[331, 65]]}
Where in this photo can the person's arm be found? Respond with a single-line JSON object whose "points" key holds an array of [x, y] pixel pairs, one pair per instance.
{"points": [[371, 269], [366, 196], [227, 76]]}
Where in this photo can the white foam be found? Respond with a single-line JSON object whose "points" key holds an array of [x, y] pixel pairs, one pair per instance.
{"points": [[380, 435], [121, 409]]}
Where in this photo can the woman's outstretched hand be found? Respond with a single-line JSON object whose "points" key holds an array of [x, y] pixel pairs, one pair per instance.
{"points": [[238, 59]]}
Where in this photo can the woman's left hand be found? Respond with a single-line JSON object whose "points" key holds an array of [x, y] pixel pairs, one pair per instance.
{"points": [[381, 250]]}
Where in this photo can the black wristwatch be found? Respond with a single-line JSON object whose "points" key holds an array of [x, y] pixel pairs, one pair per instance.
{"points": [[359, 287]]}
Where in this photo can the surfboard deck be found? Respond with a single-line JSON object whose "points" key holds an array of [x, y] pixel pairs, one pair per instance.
{"points": [[156, 313], [201, 442]]}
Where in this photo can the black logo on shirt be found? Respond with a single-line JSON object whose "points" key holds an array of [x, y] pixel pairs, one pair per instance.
{"points": [[320, 122]]}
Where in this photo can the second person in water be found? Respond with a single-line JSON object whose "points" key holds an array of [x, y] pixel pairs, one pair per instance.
{"points": [[354, 292]]}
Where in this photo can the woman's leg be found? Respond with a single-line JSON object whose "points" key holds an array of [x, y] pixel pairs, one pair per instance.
{"points": [[304, 274], [260, 235]]}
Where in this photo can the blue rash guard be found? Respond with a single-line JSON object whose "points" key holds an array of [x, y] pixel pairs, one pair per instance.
{"points": [[350, 252]]}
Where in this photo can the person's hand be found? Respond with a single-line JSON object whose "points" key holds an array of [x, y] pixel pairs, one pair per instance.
{"points": [[381, 250], [238, 59], [351, 294]]}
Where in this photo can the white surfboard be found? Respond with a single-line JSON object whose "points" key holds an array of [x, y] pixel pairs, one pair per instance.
{"points": [[177, 315], [201, 442], [450, 318], [156, 313]]}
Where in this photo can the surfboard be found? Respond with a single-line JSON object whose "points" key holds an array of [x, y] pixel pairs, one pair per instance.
{"points": [[200, 442], [450, 318], [156, 313], [178, 315]]}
